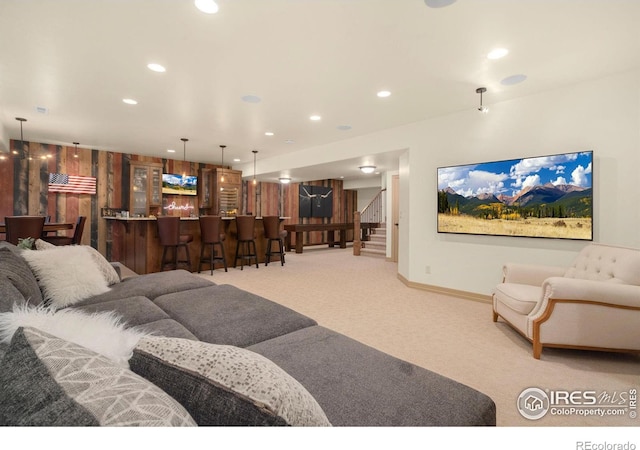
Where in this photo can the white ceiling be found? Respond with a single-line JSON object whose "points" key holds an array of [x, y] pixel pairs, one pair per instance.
{"points": [[80, 58]]}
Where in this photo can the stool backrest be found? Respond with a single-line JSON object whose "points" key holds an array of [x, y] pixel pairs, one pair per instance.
{"points": [[20, 227], [169, 230], [245, 226], [271, 227], [210, 227]]}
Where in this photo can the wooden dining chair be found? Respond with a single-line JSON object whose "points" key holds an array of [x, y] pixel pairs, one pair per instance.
{"points": [[69, 240], [21, 227]]}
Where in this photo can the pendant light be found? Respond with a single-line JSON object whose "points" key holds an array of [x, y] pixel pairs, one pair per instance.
{"points": [[222, 147], [75, 154], [482, 109], [184, 156], [21, 152], [255, 152]]}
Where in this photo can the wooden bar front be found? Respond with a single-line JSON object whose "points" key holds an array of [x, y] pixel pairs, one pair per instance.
{"points": [[135, 242]]}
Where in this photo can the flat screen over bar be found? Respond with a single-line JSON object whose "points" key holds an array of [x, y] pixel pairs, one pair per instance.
{"points": [[543, 196], [177, 184]]}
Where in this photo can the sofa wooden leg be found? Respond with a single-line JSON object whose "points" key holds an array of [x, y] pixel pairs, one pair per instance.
{"points": [[537, 349]]}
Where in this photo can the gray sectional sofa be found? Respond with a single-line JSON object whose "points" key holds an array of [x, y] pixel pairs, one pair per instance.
{"points": [[354, 384]]}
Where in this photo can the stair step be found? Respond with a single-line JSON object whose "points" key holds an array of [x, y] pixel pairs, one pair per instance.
{"points": [[374, 244], [373, 252]]}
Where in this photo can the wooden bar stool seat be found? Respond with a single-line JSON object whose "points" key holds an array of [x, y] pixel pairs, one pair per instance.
{"points": [[211, 238], [171, 241]]}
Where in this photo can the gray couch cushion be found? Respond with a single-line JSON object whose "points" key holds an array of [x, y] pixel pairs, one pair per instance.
{"points": [[152, 285], [14, 268], [224, 314], [168, 328], [357, 385], [133, 310]]}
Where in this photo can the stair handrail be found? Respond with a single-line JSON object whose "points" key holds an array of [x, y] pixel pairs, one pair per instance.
{"points": [[369, 214]]}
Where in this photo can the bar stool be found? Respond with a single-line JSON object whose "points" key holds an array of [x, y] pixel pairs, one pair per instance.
{"points": [[246, 240], [273, 234], [69, 240], [211, 237], [20, 227], [170, 238]]}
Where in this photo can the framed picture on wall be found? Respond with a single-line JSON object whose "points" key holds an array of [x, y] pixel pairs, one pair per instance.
{"points": [[545, 196], [315, 201]]}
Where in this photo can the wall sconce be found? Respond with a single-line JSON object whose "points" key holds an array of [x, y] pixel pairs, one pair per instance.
{"points": [[285, 180], [255, 152], [367, 169], [482, 109]]}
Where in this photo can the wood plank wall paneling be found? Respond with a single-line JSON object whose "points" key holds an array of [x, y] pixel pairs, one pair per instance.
{"points": [[24, 188]]}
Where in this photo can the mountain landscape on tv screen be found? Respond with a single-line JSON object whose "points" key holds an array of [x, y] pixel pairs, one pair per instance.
{"points": [[545, 200]]}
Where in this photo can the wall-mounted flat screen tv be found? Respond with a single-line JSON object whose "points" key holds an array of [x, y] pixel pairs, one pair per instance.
{"points": [[177, 184], [544, 196]]}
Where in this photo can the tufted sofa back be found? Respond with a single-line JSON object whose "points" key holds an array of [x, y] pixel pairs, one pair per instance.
{"points": [[607, 263]]}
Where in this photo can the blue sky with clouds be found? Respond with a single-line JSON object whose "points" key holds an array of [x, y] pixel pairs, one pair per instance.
{"points": [[511, 176]]}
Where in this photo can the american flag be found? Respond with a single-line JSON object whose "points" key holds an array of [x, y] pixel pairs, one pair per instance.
{"points": [[71, 184]]}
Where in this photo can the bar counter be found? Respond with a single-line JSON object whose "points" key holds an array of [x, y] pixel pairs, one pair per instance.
{"points": [[134, 242]]}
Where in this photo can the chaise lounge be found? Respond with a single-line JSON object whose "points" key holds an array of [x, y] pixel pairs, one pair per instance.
{"points": [[594, 304]]}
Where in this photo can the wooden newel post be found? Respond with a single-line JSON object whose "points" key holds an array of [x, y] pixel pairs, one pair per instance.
{"points": [[357, 243]]}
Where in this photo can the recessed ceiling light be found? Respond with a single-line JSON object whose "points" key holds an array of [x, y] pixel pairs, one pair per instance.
{"points": [[315, 118], [438, 3], [156, 67], [269, 133], [383, 94], [170, 150], [513, 79], [207, 6], [497, 53], [129, 101], [344, 127], [251, 99], [236, 159]]}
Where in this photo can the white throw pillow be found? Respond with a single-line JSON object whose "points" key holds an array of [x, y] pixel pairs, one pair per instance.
{"points": [[66, 274], [108, 271], [102, 332]]}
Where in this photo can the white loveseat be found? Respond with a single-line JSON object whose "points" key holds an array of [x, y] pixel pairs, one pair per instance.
{"points": [[594, 304]]}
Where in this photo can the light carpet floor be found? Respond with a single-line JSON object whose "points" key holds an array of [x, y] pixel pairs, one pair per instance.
{"points": [[363, 298]]}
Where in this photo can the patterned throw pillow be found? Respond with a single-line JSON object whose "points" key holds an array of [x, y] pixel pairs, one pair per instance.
{"points": [[47, 381], [225, 385]]}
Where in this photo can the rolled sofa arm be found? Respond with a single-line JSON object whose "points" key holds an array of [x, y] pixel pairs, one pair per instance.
{"points": [[590, 290], [531, 274]]}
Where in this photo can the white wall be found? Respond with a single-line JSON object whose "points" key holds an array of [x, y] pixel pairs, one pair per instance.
{"points": [[601, 115]]}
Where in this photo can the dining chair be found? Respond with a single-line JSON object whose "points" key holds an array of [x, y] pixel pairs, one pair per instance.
{"points": [[21, 227], [69, 240]]}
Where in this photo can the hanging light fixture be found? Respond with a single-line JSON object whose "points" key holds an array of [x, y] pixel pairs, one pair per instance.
{"points": [[482, 109], [75, 154], [285, 180], [255, 152], [184, 156], [21, 153], [222, 147]]}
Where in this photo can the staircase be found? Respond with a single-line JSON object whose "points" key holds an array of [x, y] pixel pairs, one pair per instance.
{"points": [[377, 243]]}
